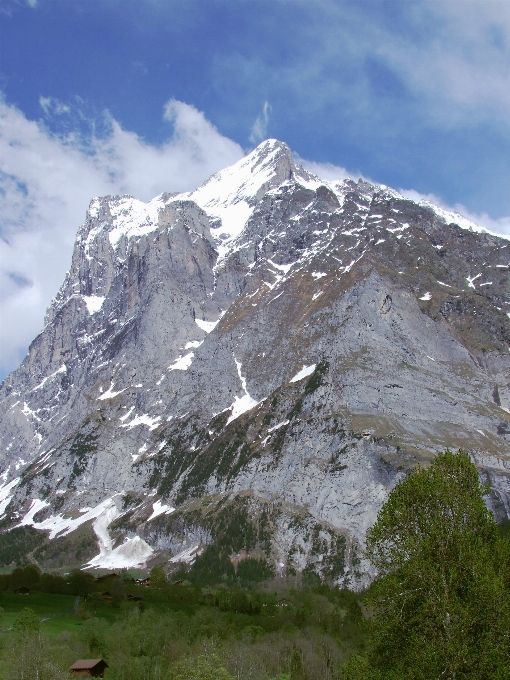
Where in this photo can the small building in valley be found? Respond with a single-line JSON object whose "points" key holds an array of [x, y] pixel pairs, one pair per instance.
{"points": [[106, 595], [22, 591], [88, 668]]}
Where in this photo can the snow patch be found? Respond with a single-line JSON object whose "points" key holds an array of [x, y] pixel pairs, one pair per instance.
{"points": [[471, 280], [241, 404], [133, 218], [93, 302], [35, 506], [61, 526], [126, 415], [159, 508], [6, 494], [133, 552], [193, 344], [427, 296], [110, 394], [277, 427], [62, 369], [187, 556], [303, 373], [318, 275], [207, 326], [182, 363], [282, 267], [144, 419], [462, 222]]}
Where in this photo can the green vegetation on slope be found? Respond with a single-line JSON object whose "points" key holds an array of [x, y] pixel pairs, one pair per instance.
{"points": [[181, 630], [440, 607]]}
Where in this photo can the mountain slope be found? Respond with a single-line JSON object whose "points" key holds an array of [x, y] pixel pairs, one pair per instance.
{"points": [[271, 349]]}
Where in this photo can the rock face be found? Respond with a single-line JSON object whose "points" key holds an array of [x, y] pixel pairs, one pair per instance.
{"points": [[254, 364]]}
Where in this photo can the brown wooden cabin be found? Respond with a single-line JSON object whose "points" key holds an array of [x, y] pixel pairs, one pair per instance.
{"points": [[143, 581], [106, 595], [88, 668], [22, 591]]}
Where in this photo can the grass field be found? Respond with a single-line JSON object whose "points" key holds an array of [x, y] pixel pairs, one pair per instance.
{"points": [[57, 612]]}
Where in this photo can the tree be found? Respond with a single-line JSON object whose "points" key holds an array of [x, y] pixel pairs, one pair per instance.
{"points": [[28, 654], [440, 605], [81, 583], [118, 590], [27, 622], [158, 576], [200, 668]]}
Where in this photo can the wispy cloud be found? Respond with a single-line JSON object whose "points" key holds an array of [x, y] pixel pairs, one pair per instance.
{"points": [[46, 183], [327, 171], [259, 129]]}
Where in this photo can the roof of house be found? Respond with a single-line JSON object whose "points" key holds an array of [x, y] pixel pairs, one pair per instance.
{"points": [[86, 664]]}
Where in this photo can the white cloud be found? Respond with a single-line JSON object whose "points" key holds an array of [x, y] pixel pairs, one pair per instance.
{"points": [[46, 183], [462, 65], [327, 171], [259, 129]]}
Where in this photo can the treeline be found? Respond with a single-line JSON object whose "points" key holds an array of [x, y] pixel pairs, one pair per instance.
{"points": [[160, 589]]}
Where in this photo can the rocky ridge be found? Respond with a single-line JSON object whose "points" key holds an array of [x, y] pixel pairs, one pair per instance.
{"points": [[254, 364]]}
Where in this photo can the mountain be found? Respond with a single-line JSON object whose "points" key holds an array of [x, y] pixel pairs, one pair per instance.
{"points": [[253, 365]]}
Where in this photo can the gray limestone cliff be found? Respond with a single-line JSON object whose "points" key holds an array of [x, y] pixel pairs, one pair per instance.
{"points": [[270, 349]]}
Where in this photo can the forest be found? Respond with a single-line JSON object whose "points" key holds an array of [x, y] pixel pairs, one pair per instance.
{"points": [[438, 608]]}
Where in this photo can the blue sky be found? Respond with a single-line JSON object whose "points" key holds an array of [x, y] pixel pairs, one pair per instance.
{"points": [[140, 96]]}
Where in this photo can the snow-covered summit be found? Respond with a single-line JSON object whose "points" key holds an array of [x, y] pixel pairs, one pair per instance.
{"points": [[231, 194], [228, 198]]}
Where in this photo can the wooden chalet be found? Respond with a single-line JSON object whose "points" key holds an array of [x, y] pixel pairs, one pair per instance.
{"points": [[106, 595], [283, 602], [22, 591], [88, 668], [143, 582]]}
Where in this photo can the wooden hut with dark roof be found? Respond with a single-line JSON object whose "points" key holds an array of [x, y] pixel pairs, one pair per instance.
{"points": [[88, 668]]}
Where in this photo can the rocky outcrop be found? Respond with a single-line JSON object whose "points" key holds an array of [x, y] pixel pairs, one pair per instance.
{"points": [[271, 342]]}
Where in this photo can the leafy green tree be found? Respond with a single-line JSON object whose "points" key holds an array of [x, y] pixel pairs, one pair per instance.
{"points": [[440, 605], [28, 577], [27, 621], [118, 590], [158, 576], [81, 583], [296, 665], [200, 668]]}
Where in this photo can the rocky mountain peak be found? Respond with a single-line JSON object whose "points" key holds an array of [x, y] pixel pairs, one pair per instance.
{"points": [[270, 348]]}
